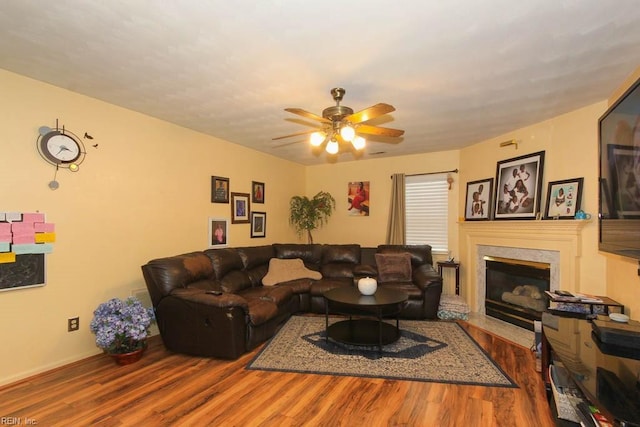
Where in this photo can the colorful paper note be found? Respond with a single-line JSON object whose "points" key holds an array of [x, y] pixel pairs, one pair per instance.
{"points": [[32, 217], [6, 257], [22, 228], [32, 248], [13, 216], [24, 238], [45, 237], [44, 227]]}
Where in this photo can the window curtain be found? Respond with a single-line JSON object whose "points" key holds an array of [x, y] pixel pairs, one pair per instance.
{"points": [[397, 225]]}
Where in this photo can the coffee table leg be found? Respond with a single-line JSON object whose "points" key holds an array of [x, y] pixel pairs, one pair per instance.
{"points": [[326, 320], [380, 330]]}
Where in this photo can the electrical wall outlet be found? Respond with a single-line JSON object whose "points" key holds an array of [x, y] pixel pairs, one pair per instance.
{"points": [[73, 324]]}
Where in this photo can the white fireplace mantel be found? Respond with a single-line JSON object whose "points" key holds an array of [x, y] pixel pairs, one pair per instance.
{"points": [[563, 236]]}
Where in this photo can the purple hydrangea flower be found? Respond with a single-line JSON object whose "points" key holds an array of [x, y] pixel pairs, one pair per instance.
{"points": [[121, 326]]}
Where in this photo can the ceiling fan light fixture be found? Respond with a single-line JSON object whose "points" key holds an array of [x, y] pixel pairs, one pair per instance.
{"points": [[359, 143], [347, 132], [317, 138], [332, 147]]}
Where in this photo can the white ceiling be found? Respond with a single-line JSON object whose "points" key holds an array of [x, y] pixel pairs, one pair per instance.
{"points": [[457, 71]]}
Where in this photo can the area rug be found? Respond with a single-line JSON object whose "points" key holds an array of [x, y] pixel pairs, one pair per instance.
{"points": [[432, 351]]}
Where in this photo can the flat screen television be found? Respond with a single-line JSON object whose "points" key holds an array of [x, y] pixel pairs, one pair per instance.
{"points": [[619, 200]]}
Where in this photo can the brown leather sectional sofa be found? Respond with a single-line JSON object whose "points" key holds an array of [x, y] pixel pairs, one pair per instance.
{"points": [[213, 303]]}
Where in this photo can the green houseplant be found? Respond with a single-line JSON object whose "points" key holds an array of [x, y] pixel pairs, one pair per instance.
{"points": [[308, 214]]}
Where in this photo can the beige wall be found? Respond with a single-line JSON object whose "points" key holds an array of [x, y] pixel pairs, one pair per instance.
{"points": [[371, 230], [143, 193]]}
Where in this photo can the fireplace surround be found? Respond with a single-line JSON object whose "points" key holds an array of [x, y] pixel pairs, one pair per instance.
{"points": [[558, 243]]}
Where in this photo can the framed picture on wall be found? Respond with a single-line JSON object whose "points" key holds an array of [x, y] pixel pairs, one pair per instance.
{"points": [[358, 198], [478, 200], [519, 187], [563, 198], [240, 208], [258, 224], [219, 189], [257, 192], [218, 232]]}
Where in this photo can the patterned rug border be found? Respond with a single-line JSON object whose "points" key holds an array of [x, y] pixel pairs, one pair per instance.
{"points": [[508, 382]]}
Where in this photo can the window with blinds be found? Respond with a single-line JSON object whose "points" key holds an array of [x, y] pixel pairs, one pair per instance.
{"points": [[426, 203]]}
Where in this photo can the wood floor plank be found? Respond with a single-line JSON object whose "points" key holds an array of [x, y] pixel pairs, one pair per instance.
{"points": [[166, 389]]}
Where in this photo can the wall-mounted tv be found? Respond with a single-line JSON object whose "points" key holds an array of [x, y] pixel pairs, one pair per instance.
{"points": [[619, 200]]}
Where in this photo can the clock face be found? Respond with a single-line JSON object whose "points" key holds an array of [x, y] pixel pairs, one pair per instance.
{"points": [[59, 148]]}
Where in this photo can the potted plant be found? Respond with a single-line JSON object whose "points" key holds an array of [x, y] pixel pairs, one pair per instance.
{"points": [[308, 214], [122, 328]]}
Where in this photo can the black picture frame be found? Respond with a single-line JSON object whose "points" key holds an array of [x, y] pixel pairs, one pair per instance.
{"points": [[478, 200], [240, 208], [258, 224], [519, 187], [564, 198], [257, 192], [623, 162], [219, 189]]}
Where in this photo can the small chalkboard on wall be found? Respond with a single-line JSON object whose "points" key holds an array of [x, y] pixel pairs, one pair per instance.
{"points": [[27, 271], [25, 239]]}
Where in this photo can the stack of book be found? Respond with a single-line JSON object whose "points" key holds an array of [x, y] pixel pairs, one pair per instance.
{"points": [[565, 296], [572, 302]]}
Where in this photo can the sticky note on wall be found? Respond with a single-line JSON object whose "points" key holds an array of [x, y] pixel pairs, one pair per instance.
{"points": [[44, 227], [22, 228], [33, 248], [6, 257], [45, 237], [32, 217], [24, 238]]}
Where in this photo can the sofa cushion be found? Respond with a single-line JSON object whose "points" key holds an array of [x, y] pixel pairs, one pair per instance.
{"points": [[394, 267], [420, 254], [255, 256], [224, 261], [310, 254], [337, 270], [341, 253], [283, 270]]}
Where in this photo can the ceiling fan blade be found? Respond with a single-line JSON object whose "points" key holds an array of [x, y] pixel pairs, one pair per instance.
{"points": [[306, 132], [377, 130], [304, 113], [370, 113], [286, 144]]}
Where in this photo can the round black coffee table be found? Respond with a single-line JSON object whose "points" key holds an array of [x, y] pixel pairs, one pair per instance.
{"points": [[364, 331]]}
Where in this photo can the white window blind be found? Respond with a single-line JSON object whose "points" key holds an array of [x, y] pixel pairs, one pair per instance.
{"points": [[426, 203]]}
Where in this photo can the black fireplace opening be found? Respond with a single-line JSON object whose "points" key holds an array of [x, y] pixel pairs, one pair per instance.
{"points": [[515, 290]]}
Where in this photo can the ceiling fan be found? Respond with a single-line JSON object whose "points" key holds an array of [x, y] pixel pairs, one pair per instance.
{"points": [[339, 125]]}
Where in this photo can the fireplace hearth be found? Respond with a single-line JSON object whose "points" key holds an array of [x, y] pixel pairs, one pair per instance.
{"points": [[515, 290]]}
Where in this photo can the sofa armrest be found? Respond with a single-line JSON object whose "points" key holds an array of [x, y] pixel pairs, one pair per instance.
{"points": [[194, 322], [425, 276], [226, 300]]}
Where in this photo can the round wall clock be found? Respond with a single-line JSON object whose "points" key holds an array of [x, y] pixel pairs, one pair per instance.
{"points": [[61, 148]]}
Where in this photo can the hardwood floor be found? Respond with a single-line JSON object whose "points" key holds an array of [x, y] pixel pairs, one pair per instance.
{"points": [[171, 389]]}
